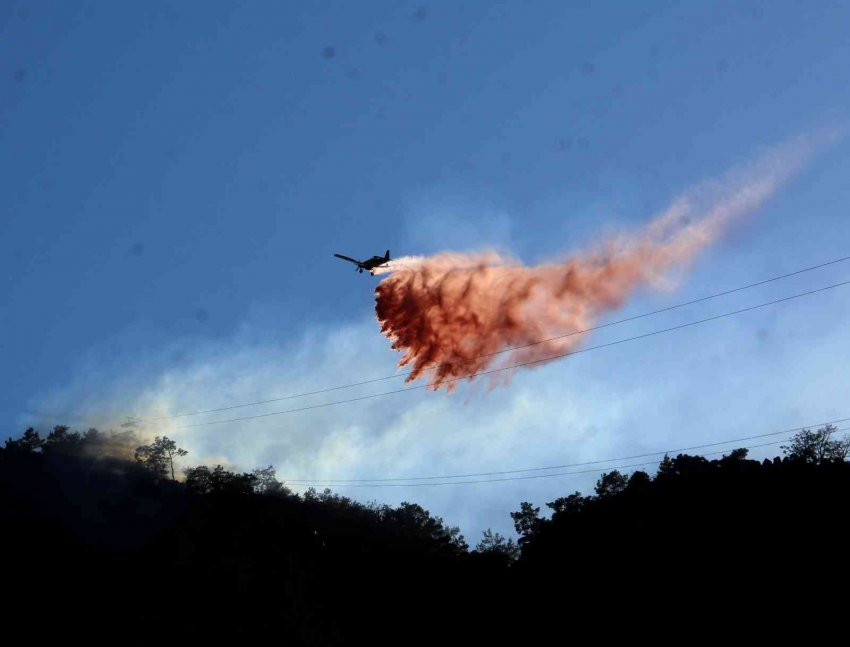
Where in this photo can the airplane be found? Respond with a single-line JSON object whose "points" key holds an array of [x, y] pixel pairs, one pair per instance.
{"points": [[371, 264]]}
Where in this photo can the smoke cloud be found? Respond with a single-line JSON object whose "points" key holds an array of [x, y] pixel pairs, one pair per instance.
{"points": [[453, 314]]}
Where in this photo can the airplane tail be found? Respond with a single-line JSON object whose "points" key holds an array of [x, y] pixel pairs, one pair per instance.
{"points": [[387, 257]]}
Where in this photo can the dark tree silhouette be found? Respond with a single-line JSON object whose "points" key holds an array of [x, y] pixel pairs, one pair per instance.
{"points": [[219, 481], [611, 484], [266, 483], [566, 505], [159, 456], [28, 443], [495, 543], [62, 441], [639, 481], [818, 446], [526, 521]]}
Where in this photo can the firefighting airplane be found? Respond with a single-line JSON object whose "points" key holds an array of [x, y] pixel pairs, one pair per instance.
{"points": [[371, 264]]}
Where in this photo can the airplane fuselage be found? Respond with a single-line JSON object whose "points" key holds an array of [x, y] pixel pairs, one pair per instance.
{"points": [[373, 262], [370, 264]]}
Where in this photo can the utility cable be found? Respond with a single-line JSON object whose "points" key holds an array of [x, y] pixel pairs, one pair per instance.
{"points": [[513, 366], [505, 350], [568, 465]]}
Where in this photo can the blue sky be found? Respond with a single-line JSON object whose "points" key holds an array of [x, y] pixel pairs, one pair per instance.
{"points": [[175, 177]]}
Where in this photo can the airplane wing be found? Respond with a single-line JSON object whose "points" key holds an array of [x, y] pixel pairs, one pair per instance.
{"points": [[346, 258]]}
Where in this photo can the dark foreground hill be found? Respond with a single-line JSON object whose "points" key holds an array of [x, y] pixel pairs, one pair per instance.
{"points": [[99, 542]]}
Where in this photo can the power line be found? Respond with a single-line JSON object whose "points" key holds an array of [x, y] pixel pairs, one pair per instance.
{"points": [[513, 366], [524, 478], [513, 478], [506, 350], [568, 465]]}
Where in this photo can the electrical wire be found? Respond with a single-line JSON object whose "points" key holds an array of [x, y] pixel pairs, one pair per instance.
{"points": [[525, 478], [568, 465], [505, 350], [513, 366]]}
